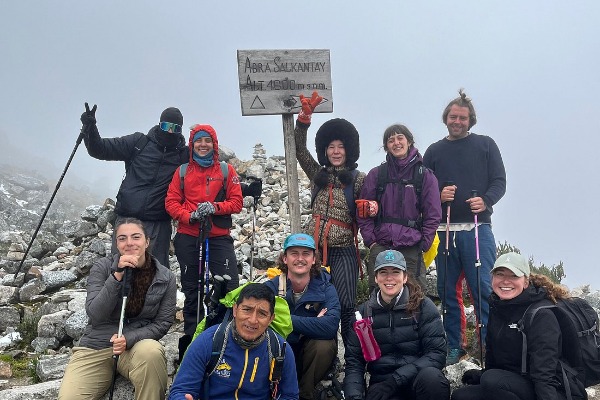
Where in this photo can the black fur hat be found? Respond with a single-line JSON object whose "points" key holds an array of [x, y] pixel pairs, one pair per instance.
{"points": [[338, 129]]}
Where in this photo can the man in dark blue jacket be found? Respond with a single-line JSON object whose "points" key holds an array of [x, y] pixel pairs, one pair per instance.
{"points": [[150, 162], [314, 308], [472, 180]]}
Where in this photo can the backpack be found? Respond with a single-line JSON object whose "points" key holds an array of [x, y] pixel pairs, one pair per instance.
{"points": [[580, 338], [383, 180], [222, 221], [276, 355], [348, 194]]}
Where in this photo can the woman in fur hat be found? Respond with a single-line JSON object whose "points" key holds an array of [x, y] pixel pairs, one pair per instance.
{"points": [[336, 184]]}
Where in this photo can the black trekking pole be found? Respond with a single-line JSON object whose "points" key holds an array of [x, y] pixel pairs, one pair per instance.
{"points": [[446, 255], [203, 270], [478, 268], [125, 293], [256, 197], [77, 143]]}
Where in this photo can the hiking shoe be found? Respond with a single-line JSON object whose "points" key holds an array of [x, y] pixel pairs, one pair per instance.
{"points": [[454, 356]]}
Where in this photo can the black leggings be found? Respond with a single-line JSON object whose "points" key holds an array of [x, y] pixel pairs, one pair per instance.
{"points": [[498, 384], [221, 260]]}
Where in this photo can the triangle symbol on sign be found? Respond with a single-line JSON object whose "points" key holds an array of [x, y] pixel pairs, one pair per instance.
{"points": [[257, 104]]}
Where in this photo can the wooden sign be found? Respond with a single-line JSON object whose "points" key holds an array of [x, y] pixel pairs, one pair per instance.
{"points": [[271, 81]]}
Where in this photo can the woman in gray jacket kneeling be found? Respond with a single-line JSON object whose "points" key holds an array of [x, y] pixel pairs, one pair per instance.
{"points": [[148, 314]]}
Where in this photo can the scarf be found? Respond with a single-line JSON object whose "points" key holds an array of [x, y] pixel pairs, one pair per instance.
{"points": [[243, 343], [141, 279]]}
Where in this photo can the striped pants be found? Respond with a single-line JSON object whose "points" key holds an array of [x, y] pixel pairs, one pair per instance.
{"points": [[344, 277]]}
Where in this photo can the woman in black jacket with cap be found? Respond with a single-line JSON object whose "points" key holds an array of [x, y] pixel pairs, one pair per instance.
{"points": [[514, 290], [409, 331]]}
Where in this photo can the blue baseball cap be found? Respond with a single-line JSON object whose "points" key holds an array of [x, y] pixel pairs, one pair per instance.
{"points": [[299, 240], [390, 258]]}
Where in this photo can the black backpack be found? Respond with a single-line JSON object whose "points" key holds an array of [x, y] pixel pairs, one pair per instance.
{"points": [[276, 355], [383, 180], [580, 338]]}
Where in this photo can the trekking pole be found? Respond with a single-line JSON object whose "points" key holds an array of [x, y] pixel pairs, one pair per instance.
{"points": [[477, 268], [77, 143], [446, 254], [202, 264], [252, 249], [125, 293], [254, 205]]}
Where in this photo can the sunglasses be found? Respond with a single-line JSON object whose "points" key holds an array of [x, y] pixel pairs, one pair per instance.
{"points": [[169, 126]]}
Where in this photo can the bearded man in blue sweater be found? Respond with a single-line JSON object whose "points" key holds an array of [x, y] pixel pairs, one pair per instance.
{"points": [[472, 180]]}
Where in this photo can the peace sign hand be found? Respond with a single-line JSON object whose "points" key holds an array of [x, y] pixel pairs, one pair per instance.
{"points": [[88, 118]]}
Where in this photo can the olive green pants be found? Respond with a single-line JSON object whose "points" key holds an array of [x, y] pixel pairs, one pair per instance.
{"points": [[89, 372]]}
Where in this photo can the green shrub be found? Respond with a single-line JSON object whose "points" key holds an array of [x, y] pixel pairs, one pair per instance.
{"points": [[28, 330], [555, 272]]}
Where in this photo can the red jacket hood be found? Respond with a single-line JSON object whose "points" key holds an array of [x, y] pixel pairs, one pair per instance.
{"points": [[213, 134]]}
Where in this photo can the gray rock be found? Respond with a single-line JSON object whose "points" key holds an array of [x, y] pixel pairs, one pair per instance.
{"points": [[53, 325], [57, 279], [51, 367], [9, 316], [75, 324], [31, 289], [8, 295], [40, 344]]}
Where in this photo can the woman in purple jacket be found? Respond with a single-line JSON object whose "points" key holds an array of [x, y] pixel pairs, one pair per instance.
{"points": [[409, 208]]}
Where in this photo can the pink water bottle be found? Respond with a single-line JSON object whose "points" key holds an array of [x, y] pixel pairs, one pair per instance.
{"points": [[368, 344]]}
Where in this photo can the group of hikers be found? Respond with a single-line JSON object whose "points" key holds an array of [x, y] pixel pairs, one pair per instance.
{"points": [[279, 338]]}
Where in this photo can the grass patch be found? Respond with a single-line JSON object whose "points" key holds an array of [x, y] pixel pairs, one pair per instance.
{"points": [[22, 368]]}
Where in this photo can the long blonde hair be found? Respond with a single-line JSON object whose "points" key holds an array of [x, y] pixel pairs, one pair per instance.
{"points": [[555, 292]]}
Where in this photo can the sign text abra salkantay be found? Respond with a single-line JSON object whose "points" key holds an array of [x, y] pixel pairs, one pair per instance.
{"points": [[271, 81]]}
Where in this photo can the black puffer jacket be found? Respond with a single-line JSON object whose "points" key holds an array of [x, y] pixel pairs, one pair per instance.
{"points": [[504, 344], [408, 344], [149, 168]]}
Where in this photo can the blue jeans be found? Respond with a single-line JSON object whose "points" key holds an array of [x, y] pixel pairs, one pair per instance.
{"points": [[461, 264]]}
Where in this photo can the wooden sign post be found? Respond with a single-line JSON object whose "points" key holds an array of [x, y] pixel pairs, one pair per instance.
{"points": [[271, 82]]}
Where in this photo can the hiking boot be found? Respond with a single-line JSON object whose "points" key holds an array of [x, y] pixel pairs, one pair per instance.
{"points": [[454, 356]]}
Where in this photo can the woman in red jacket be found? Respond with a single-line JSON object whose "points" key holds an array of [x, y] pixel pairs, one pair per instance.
{"points": [[198, 194]]}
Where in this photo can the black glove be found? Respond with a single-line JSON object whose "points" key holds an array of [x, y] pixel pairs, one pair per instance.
{"points": [[88, 118], [254, 189], [383, 390], [472, 377]]}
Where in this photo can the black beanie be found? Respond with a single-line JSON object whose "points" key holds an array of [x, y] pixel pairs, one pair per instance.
{"points": [[172, 115]]}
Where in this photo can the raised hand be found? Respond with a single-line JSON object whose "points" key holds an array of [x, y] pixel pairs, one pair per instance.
{"points": [[308, 107], [88, 118]]}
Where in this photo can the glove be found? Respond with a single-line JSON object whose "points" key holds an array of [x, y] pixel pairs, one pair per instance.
{"points": [[254, 189], [308, 106], [205, 209], [472, 377], [382, 391], [195, 217], [88, 118], [366, 208]]}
